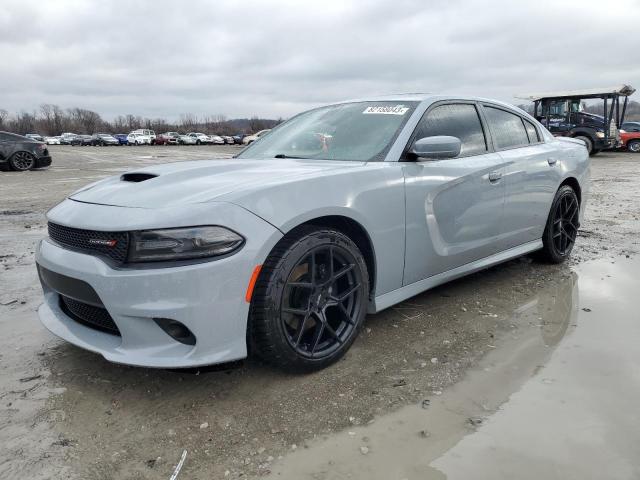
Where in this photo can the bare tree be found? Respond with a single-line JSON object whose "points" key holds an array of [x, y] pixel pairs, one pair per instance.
{"points": [[50, 119], [3, 117]]}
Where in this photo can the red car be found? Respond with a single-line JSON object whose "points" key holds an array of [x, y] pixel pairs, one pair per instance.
{"points": [[169, 138], [630, 136]]}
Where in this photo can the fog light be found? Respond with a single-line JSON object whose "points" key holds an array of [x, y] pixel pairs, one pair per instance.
{"points": [[176, 330]]}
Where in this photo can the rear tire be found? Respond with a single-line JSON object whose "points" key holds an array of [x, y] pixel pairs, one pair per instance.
{"points": [[310, 300], [587, 141], [561, 230], [633, 146], [22, 161]]}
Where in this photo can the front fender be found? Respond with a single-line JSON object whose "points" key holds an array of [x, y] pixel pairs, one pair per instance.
{"points": [[372, 196]]}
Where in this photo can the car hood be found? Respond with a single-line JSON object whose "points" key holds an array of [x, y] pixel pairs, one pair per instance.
{"points": [[201, 181]]}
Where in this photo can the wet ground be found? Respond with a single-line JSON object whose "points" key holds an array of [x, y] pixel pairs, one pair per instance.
{"points": [[525, 370]]}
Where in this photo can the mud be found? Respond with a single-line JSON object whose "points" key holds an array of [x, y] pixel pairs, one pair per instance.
{"points": [[82, 417], [553, 401]]}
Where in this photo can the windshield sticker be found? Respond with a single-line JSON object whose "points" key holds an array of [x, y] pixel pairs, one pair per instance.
{"points": [[387, 110]]}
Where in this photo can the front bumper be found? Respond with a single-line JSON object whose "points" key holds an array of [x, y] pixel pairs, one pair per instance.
{"points": [[43, 161], [207, 297]]}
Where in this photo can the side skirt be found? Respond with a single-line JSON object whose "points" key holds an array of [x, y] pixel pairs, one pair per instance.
{"points": [[389, 299]]}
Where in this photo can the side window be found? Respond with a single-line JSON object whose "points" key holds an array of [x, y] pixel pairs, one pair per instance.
{"points": [[457, 120], [532, 132], [507, 128]]}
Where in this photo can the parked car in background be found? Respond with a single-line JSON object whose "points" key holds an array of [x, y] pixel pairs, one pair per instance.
{"points": [[228, 140], [216, 140], [82, 140], [630, 136], [122, 138], [148, 133], [186, 140], [66, 138], [35, 136], [167, 138], [393, 196], [201, 138], [22, 153], [52, 140], [103, 140], [138, 139], [249, 139], [238, 138], [160, 140], [630, 141]]}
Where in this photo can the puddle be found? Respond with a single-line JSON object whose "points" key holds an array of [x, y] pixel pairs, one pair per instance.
{"points": [[556, 401]]}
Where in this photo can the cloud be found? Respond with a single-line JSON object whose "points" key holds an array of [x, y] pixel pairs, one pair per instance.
{"points": [[160, 58]]}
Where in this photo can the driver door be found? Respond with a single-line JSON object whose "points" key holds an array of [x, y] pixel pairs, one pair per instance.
{"points": [[454, 207]]}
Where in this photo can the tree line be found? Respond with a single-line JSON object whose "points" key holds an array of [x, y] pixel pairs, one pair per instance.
{"points": [[53, 120]]}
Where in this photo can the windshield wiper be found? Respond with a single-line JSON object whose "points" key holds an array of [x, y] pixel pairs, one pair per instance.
{"points": [[282, 155]]}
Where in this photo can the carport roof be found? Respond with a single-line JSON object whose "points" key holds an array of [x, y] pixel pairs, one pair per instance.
{"points": [[623, 90]]}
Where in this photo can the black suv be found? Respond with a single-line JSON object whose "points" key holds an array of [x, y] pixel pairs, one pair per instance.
{"points": [[21, 153], [563, 118]]}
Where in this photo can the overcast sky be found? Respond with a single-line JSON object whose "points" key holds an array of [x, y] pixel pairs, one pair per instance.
{"points": [[276, 58]]}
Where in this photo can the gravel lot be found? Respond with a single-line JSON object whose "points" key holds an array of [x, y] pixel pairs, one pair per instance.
{"points": [[67, 413]]}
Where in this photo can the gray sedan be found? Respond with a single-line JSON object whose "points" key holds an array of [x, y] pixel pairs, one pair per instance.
{"points": [[281, 252]]}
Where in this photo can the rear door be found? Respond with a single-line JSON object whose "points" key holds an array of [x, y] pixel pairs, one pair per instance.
{"points": [[453, 206], [532, 174]]}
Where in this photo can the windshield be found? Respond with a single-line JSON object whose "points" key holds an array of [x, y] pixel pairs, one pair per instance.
{"points": [[361, 131]]}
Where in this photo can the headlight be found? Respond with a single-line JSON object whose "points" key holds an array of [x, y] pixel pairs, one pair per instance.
{"points": [[600, 134], [622, 131], [182, 243]]}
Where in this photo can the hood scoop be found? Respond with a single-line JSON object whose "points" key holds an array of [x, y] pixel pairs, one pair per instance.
{"points": [[137, 177]]}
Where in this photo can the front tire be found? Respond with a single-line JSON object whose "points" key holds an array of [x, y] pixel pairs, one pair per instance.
{"points": [[561, 230], [310, 300], [588, 142], [633, 146]]}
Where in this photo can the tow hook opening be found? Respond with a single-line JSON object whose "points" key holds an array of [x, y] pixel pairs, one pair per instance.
{"points": [[176, 330]]}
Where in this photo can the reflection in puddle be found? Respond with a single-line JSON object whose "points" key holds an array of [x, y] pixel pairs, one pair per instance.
{"points": [[540, 405]]}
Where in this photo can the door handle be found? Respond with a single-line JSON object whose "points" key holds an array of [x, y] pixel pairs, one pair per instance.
{"points": [[552, 161], [495, 176]]}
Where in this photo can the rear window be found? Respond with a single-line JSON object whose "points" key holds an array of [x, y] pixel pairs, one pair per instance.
{"points": [[507, 128]]}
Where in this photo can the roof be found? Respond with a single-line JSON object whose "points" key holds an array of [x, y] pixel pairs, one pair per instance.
{"points": [[623, 90]]}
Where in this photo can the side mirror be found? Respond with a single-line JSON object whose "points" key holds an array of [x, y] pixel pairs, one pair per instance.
{"points": [[438, 147]]}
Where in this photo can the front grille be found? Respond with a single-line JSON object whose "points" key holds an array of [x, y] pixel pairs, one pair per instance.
{"points": [[90, 241], [94, 317]]}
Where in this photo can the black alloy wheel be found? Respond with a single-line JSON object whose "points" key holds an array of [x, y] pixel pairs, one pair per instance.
{"points": [[22, 161], [562, 226], [310, 300], [321, 302]]}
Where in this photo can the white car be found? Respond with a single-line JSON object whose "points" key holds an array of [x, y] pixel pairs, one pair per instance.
{"points": [[186, 140], [148, 133], [52, 140], [138, 139], [229, 140], [216, 140], [199, 137], [252, 138]]}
